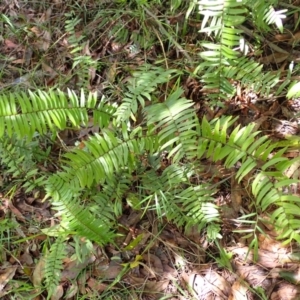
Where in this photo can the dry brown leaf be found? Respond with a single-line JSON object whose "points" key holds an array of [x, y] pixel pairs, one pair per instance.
{"points": [[48, 69], [266, 242], [295, 38], [16, 212], [149, 286], [45, 17], [218, 284], [154, 264], [26, 258], [72, 291], [95, 285], [197, 284], [36, 30], [156, 286], [286, 291], [73, 268], [274, 58], [268, 259], [10, 44], [7, 275], [238, 291], [58, 293], [19, 61], [236, 195], [254, 275], [282, 37], [46, 40], [38, 273], [109, 272]]}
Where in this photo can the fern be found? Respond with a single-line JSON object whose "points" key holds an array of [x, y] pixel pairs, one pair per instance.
{"points": [[223, 60], [53, 265], [175, 123], [264, 14], [66, 200], [142, 84], [20, 158], [82, 62], [49, 111], [171, 126]]}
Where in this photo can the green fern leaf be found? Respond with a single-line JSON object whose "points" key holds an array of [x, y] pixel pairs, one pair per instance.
{"points": [[54, 265]]}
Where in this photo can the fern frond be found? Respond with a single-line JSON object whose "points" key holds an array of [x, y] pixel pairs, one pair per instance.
{"points": [[223, 61], [20, 157], [108, 202], [264, 14], [175, 123], [250, 74], [269, 183], [176, 199], [197, 206], [54, 265], [23, 114], [143, 82], [106, 155], [66, 200]]}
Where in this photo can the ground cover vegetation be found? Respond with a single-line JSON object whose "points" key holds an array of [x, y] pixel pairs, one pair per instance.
{"points": [[149, 149]]}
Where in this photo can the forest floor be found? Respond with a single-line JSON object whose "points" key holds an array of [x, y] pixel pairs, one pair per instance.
{"points": [[152, 259]]}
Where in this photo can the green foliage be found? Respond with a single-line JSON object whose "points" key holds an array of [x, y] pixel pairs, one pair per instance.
{"points": [[172, 126], [142, 84], [82, 61], [53, 265], [124, 159], [49, 111], [224, 60], [109, 160], [20, 159]]}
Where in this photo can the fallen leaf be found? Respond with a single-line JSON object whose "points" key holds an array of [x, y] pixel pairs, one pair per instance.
{"points": [[10, 44], [72, 291], [16, 212], [110, 272], [154, 264], [238, 291], [18, 61], [236, 195], [286, 291], [58, 293], [7, 275], [73, 268], [38, 273], [274, 58], [295, 38], [95, 285]]}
